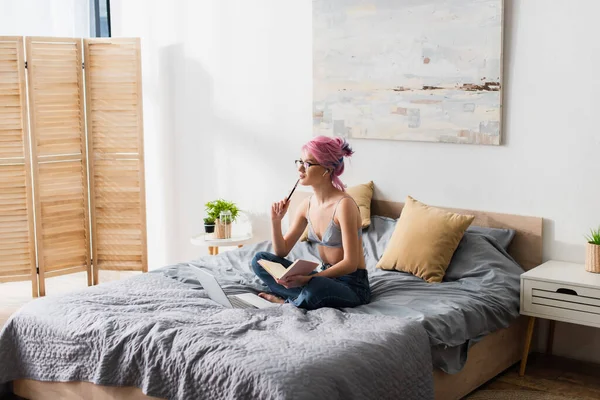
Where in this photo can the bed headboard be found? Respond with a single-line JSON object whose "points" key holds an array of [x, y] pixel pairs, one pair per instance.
{"points": [[526, 247]]}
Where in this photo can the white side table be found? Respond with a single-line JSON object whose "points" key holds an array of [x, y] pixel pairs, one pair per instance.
{"points": [[559, 291], [208, 239]]}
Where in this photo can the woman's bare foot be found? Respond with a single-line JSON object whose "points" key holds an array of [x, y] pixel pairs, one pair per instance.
{"points": [[271, 297]]}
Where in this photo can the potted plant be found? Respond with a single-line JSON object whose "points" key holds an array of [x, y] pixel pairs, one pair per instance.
{"points": [[592, 258], [214, 209], [209, 225]]}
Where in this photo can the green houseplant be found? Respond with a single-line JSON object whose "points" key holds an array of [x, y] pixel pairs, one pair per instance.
{"points": [[592, 257], [213, 211]]}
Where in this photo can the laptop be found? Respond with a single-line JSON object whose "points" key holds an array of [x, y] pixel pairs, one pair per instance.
{"points": [[216, 293]]}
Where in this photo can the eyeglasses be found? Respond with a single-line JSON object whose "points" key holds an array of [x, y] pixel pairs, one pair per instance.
{"points": [[305, 164]]}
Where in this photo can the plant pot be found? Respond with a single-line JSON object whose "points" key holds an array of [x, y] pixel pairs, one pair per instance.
{"points": [[222, 231], [209, 228], [592, 258]]}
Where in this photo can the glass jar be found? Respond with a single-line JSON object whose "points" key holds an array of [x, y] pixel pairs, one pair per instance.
{"points": [[225, 221]]}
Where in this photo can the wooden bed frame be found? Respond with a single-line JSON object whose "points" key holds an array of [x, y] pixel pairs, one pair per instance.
{"points": [[486, 359]]}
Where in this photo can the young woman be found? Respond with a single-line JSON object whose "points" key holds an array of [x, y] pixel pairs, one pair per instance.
{"points": [[334, 224]]}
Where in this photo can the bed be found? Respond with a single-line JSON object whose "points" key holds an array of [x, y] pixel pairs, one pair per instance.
{"points": [[487, 356]]}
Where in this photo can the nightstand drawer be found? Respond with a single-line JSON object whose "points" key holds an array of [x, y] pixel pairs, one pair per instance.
{"points": [[564, 302]]}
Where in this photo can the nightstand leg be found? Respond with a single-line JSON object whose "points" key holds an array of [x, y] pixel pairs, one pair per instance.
{"points": [[215, 250], [550, 341], [527, 345], [211, 250]]}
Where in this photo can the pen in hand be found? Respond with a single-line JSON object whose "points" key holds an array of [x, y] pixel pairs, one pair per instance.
{"points": [[292, 192], [279, 208]]}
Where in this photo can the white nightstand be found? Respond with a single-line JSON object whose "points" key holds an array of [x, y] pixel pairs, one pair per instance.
{"points": [[559, 291], [208, 239]]}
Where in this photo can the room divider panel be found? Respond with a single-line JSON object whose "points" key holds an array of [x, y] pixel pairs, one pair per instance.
{"points": [[58, 152], [17, 244], [87, 163], [115, 127]]}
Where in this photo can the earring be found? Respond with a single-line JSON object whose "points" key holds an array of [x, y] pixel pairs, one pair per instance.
{"points": [[325, 172]]}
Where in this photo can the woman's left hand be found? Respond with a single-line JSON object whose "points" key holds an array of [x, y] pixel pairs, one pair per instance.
{"points": [[294, 281]]}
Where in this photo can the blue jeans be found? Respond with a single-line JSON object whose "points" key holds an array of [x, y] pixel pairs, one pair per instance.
{"points": [[345, 291]]}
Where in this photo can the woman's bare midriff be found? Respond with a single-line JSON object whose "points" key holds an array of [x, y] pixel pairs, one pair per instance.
{"points": [[333, 255]]}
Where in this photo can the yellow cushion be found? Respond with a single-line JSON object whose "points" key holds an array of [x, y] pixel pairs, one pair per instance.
{"points": [[424, 240], [362, 195]]}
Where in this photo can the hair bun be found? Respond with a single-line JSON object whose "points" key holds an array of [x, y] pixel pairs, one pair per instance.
{"points": [[346, 149]]}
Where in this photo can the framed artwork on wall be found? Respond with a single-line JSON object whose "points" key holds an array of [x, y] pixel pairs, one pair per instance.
{"points": [[417, 70]]}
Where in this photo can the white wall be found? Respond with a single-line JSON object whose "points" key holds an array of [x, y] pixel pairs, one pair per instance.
{"points": [[227, 101], [226, 109], [64, 18]]}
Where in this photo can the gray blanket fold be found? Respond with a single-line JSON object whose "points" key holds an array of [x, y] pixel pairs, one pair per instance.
{"points": [[167, 338]]}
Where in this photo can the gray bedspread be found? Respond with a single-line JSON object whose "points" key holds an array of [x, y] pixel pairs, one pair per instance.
{"points": [[167, 338], [158, 331], [479, 295]]}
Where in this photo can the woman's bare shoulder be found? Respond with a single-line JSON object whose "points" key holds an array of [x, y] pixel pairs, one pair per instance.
{"points": [[303, 207], [347, 207]]}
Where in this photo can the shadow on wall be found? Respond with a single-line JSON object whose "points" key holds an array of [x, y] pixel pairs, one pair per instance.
{"points": [[552, 247], [199, 147], [167, 70]]}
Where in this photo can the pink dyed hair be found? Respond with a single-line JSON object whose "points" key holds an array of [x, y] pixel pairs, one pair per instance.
{"points": [[330, 153]]}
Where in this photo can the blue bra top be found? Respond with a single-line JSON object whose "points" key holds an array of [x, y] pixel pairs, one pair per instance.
{"points": [[332, 237]]}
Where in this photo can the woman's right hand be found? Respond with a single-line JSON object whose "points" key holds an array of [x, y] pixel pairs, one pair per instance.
{"points": [[278, 210]]}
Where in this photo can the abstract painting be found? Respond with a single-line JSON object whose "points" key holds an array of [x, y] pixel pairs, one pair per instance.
{"points": [[421, 70]]}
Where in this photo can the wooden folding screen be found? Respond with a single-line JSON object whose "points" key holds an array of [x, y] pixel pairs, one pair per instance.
{"points": [[116, 148], [83, 128], [17, 246], [56, 102]]}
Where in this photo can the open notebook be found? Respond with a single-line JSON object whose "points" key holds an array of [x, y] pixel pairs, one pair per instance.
{"points": [[298, 267]]}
